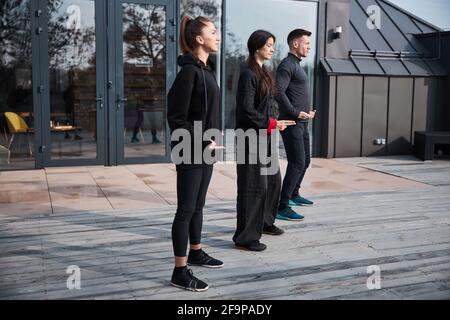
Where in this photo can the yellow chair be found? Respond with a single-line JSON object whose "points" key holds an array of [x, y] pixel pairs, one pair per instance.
{"points": [[17, 125]]}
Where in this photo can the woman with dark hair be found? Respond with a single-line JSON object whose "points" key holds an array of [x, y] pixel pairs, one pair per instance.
{"points": [[194, 96], [257, 193]]}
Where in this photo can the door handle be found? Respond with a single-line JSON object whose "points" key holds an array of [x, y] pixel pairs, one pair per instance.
{"points": [[100, 99], [120, 100]]}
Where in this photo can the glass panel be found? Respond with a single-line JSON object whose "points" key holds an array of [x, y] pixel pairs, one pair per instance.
{"points": [[144, 68], [72, 77], [266, 14], [16, 94]]}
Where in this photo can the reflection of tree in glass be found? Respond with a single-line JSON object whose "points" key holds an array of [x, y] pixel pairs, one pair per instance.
{"points": [[15, 37], [235, 48], [207, 8], [67, 44], [145, 33]]}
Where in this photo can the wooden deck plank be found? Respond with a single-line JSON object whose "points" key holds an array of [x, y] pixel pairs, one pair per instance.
{"points": [[127, 254]]}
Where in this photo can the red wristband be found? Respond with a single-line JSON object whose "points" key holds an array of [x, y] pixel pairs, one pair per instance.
{"points": [[272, 125]]}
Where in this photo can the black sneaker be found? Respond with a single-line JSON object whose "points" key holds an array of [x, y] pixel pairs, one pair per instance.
{"points": [[201, 258], [184, 279], [254, 246], [273, 230]]}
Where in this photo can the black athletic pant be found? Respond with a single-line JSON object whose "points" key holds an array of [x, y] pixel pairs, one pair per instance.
{"points": [[192, 185], [296, 144], [258, 196]]}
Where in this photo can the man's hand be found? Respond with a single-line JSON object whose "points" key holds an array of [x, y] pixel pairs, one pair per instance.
{"points": [[283, 124], [303, 115], [312, 114]]}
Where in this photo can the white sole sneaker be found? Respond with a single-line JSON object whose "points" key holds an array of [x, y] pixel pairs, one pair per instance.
{"points": [[205, 265], [190, 289]]}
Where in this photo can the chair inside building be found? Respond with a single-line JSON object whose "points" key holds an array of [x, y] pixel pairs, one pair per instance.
{"points": [[17, 126]]}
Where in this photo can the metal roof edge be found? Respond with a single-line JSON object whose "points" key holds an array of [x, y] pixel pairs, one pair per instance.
{"points": [[385, 75], [430, 34], [432, 26]]}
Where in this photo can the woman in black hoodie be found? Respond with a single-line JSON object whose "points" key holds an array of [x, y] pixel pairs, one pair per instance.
{"points": [[258, 193], [194, 96]]}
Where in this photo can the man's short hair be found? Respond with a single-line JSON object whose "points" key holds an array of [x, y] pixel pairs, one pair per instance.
{"points": [[297, 33]]}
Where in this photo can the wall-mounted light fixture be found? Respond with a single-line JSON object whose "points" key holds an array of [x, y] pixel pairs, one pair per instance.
{"points": [[337, 32]]}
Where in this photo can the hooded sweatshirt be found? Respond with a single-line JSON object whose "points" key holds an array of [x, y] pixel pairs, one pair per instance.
{"points": [[194, 96]]}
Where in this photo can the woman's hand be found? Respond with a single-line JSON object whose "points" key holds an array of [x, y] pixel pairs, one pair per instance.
{"points": [[283, 124], [213, 145]]}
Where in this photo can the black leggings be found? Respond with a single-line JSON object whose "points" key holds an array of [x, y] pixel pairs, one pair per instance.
{"points": [[192, 185]]}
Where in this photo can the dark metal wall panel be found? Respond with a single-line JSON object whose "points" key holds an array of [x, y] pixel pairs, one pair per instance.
{"points": [[423, 27], [325, 65], [368, 66], [441, 113], [389, 31], [445, 104], [356, 43], [399, 109], [342, 66], [417, 67], [403, 21], [329, 152], [394, 67], [338, 14], [432, 102], [374, 115], [348, 116], [439, 45], [372, 37], [437, 68], [404, 24], [420, 108]]}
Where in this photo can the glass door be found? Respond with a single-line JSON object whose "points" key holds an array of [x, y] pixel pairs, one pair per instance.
{"points": [[74, 83], [105, 69], [145, 62]]}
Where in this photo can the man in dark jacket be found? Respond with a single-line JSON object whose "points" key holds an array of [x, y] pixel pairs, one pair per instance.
{"points": [[294, 103]]}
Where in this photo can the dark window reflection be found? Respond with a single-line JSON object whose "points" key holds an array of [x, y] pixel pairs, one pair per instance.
{"points": [[72, 76], [144, 61], [16, 95]]}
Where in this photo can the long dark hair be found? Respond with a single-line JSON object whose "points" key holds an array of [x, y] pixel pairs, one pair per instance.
{"points": [[189, 29], [266, 84]]}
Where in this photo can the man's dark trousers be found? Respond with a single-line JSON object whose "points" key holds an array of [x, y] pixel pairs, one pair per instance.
{"points": [[296, 144]]}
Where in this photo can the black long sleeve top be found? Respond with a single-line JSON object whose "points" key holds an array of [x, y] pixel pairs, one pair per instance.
{"points": [[251, 111], [292, 88]]}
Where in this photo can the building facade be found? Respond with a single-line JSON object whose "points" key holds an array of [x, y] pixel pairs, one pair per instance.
{"points": [[84, 82]]}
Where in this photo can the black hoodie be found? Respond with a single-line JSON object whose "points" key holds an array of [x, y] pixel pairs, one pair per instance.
{"points": [[194, 96]]}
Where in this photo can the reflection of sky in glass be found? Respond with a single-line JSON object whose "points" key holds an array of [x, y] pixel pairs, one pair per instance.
{"points": [[277, 16]]}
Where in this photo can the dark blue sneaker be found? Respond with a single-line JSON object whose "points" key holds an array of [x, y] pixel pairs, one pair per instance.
{"points": [[300, 201], [289, 214]]}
